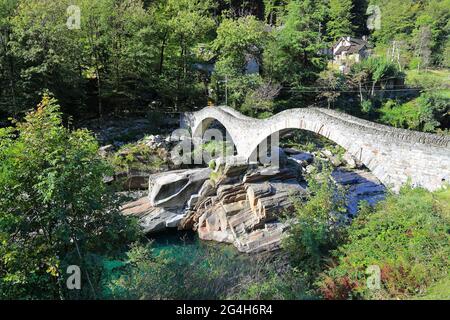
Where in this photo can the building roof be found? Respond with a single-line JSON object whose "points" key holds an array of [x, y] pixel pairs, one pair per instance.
{"points": [[353, 45]]}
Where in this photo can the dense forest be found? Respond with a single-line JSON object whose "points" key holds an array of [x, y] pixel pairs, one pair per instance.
{"points": [[128, 56], [64, 62]]}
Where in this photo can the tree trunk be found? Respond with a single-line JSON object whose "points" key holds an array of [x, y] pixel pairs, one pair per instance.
{"points": [[360, 91], [97, 70], [373, 88], [99, 87], [161, 56]]}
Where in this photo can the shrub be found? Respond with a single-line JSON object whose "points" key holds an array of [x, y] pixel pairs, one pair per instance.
{"points": [[424, 113], [139, 157], [202, 272], [275, 285], [406, 236], [54, 208], [260, 101], [318, 227]]}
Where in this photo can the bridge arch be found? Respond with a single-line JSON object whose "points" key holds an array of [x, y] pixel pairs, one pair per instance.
{"points": [[393, 155]]}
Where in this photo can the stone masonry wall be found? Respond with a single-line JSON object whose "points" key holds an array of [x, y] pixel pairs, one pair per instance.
{"points": [[393, 155]]}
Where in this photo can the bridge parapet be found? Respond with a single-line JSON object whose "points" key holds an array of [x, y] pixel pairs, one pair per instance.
{"points": [[393, 155]]}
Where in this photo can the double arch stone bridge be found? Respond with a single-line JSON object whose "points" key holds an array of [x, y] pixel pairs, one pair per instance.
{"points": [[393, 155]]}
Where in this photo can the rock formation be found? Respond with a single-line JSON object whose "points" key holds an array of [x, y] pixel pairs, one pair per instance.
{"points": [[169, 193], [247, 213], [242, 203]]}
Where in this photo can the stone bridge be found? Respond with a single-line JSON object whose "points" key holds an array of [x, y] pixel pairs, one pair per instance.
{"points": [[393, 155]]}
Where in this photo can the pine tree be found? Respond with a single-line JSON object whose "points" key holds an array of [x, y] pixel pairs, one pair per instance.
{"points": [[340, 15]]}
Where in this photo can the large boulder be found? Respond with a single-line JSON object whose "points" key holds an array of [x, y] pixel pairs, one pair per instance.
{"points": [[246, 213], [175, 188], [231, 166], [152, 219], [360, 186], [300, 160]]}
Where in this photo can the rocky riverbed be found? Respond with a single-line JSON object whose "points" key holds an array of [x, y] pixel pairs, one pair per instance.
{"points": [[242, 203]]}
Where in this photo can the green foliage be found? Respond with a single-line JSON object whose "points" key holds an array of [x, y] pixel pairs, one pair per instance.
{"points": [[424, 113], [332, 82], [54, 208], [240, 88], [366, 106], [41, 55], [340, 19], [318, 226], [372, 72], [397, 19], [406, 236], [403, 21], [123, 54], [310, 142], [236, 41], [440, 290], [205, 272], [259, 102], [212, 150], [293, 57], [275, 285], [431, 79], [239, 42], [139, 157], [217, 149]]}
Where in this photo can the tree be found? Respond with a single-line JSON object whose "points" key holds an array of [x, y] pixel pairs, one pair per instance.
{"points": [[260, 101], [331, 82], [273, 9], [433, 20], [340, 19], [47, 53], [126, 53], [398, 18], [9, 97], [180, 27], [372, 72], [359, 18], [55, 209], [294, 58], [423, 50], [238, 42]]}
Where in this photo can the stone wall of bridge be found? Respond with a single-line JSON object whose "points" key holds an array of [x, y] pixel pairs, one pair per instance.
{"points": [[393, 155]]}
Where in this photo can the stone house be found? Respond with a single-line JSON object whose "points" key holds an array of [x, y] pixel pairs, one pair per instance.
{"points": [[349, 50]]}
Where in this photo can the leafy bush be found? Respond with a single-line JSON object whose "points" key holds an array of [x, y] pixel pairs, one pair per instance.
{"points": [[318, 227], [260, 101], [276, 285], [54, 208], [139, 157], [406, 236], [424, 113], [204, 272]]}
